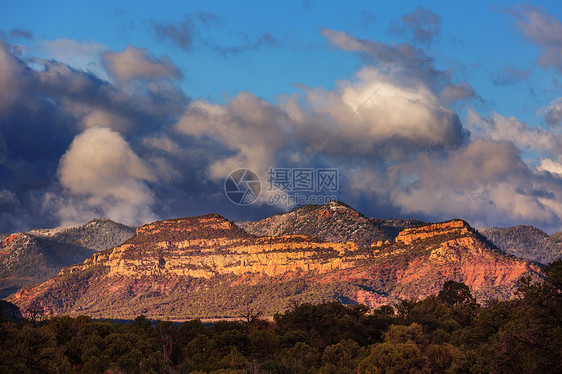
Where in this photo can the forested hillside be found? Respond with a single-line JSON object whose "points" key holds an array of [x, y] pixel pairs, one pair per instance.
{"points": [[446, 333]]}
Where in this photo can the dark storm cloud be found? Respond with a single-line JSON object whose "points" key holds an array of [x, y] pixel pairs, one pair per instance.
{"points": [[46, 110], [135, 148], [422, 25], [511, 75]]}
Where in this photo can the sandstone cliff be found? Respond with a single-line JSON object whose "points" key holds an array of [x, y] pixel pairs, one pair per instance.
{"points": [[207, 267]]}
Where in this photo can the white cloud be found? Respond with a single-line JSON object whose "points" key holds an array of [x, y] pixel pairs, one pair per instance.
{"points": [[248, 126], [552, 166], [503, 128], [101, 173], [138, 63], [553, 112], [86, 56], [374, 113]]}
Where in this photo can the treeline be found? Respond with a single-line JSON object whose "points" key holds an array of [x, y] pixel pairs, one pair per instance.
{"points": [[447, 333]]}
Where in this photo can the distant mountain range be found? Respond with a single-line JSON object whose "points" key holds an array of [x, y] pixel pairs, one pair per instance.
{"points": [[35, 256], [526, 242], [206, 266], [339, 223]]}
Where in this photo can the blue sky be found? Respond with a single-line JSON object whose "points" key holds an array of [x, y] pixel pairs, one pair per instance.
{"points": [[139, 111]]}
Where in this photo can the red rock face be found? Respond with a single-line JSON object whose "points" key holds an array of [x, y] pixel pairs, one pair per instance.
{"points": [[7, 241], [181, 268]]}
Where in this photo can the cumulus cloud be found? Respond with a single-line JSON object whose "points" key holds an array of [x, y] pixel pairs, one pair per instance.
{"points": [[484, 182], [412, 62], [138, 63], [375, 114], [44, 108], [551, 166], [396, 142], [543, 30], [134, 148], [79, 55], [503, 128], [10, 69], [101, 167], [252, 129], [553, 112]]}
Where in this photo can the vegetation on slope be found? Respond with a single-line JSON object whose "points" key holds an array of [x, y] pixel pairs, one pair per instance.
{"points": [[98, 234], [38, 255], [333, 222], [526, 242]]}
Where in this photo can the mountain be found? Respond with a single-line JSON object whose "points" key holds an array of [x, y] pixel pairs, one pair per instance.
{"points": [[527, 242], [98, 234], [206, 266], [334, 222], [37, 255]]}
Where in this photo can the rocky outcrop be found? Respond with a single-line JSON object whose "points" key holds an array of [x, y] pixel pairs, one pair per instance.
{"points": [[206, 246], [207, 266], [7, 241], [454, 227]]}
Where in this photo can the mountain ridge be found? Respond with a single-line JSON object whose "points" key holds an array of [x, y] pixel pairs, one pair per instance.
{"points": [[37, 255], [526, 241], [334, 222], [206, 266]]}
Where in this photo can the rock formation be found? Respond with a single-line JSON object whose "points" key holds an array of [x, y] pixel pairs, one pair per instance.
{"points": [[208, 267]]}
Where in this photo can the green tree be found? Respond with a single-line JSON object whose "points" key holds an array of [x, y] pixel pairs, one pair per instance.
{"points": [[342, 357]]}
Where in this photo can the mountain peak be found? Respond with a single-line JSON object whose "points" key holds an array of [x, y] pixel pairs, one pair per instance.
{"points": [[334, 222]]}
